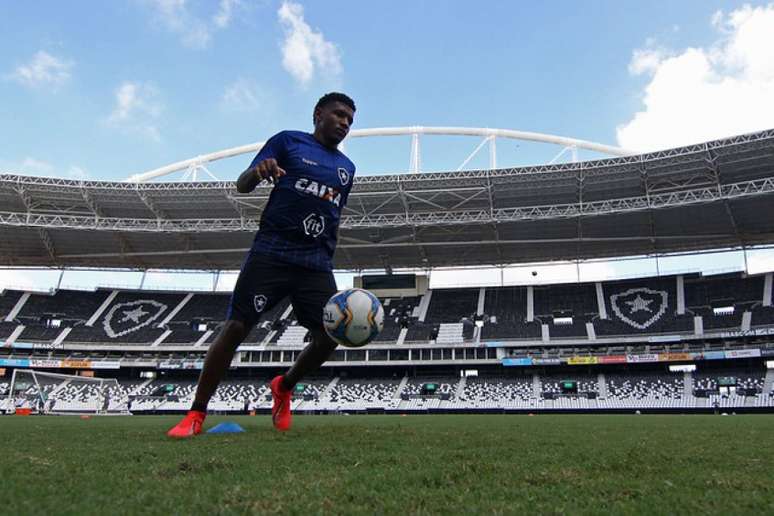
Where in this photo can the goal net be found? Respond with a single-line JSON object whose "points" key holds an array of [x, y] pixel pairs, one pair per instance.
{"points": [[52, 393]]}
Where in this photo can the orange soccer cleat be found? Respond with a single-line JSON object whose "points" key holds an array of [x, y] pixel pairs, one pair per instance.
{"points": [[280, 409], [190, 426]]}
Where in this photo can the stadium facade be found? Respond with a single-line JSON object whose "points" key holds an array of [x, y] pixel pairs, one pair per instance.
{"points": [[587, 346]]}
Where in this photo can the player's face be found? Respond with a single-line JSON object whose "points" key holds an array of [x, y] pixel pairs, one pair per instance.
{"points": [[332, 122]]}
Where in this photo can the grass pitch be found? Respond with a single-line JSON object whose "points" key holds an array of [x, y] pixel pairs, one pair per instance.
{"points": [[571, 464]]}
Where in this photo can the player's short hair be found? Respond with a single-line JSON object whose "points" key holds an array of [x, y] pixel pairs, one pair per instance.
{"points": [[335, 96]]}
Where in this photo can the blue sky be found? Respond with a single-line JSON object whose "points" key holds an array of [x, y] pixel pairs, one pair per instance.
{"points": [[202, 83], [104, 90]]}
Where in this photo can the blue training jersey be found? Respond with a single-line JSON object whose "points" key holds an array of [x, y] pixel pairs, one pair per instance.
{"points": [[299, 224]]}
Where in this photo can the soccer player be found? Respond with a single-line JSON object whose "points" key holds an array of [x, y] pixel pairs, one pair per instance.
{"points": [[291, 255]]}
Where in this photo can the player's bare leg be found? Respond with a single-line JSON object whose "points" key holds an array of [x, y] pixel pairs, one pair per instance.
{"points": [[308, 361], [217, 361], [215, 365]]}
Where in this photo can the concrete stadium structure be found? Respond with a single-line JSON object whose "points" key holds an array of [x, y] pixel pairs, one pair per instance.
{"points": [[707, 196]]}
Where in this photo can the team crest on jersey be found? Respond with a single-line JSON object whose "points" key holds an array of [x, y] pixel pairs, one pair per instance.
{"points": [[344, 176], [259, 302], [314, 225], [309, 187], [639, 307], [129, 317]]}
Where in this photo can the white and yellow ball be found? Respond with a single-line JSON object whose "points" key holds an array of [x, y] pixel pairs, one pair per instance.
{"points": [[353, 317]]}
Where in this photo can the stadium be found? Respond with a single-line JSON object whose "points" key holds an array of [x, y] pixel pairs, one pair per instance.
{"points": [[288, 257], [669, 344], [681, 343]]}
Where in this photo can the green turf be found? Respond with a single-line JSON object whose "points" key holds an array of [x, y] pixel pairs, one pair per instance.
{"points": [[584, 464]]}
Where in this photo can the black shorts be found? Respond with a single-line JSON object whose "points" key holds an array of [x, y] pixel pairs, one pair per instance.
{"points": [[263, 282]]}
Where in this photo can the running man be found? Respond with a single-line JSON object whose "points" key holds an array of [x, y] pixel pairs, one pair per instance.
{"points": [[292, 254]]}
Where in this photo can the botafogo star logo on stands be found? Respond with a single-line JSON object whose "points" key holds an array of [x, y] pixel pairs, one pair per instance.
{"points": [[639, 307], [124, 318]]}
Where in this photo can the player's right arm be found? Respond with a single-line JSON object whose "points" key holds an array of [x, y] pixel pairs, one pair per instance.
{"points": [[267, 169]]}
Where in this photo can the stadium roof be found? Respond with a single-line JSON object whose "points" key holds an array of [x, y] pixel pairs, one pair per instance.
{"points": [[704, 196]]}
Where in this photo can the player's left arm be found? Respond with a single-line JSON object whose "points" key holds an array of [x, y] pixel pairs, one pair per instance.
{"points": [[345, 196], [265, 165], [267, 169]]}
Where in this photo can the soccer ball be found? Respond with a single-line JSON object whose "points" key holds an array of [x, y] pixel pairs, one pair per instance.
{"points": [[353, 317]]}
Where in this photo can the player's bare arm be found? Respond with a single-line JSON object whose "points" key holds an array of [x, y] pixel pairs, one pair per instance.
{"points": [[267, 169]]}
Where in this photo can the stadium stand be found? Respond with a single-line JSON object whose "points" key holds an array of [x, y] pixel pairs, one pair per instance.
{"points": [[412, 397], [451, 305], [7, 328], [643, 391], [619, 390], [69, 306], [362, 394], [4, 396], [293, 335], [560, 302], [203, 308], [708, 296], [421, 332], [39, 331], [450, 333], [723, 290], [762, 316], [739, 379], [130, 317], [447, 306], [647, 305], [8, 300], [200, 314], [641, 312], [87, 398], [44, 316], [398, 314], [551, 384], [496, 392], [236, 395], [505, 315]]}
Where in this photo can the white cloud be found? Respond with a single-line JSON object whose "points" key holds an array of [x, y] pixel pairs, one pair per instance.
{"points": [[194, 31], [30, 166], [174, 16], [225, 11], [137, 109], [242, 95], [700, 94], [304, 50], [717, 19], [43, 70], [76, 172], [35, 167], [645, 61]]}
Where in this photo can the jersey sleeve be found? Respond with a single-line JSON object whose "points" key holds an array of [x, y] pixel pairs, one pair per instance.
{"points": [[345, 195], [273, 148]]}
